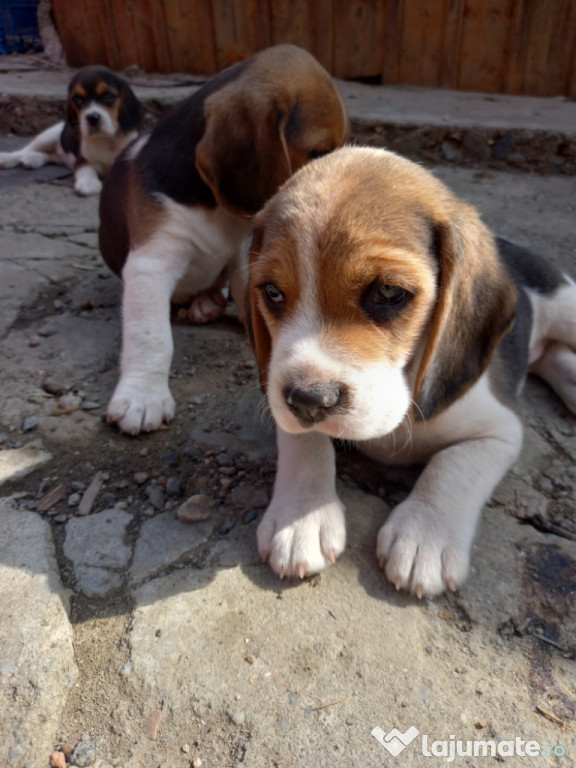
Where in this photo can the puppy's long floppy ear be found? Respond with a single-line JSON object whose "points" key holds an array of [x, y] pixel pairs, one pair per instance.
{"points": [[130, 114], [243, 156], [258, 333], [476, 306]]}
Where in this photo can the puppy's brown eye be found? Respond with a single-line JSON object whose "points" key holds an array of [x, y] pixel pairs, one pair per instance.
{"points": [[108, 99], [78, 101], [273, 294], [389, 294], [383, 301]]}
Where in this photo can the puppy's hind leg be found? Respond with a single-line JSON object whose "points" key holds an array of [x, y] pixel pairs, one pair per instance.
{"points": [[556, 363], [557, 366], [41, 150]]}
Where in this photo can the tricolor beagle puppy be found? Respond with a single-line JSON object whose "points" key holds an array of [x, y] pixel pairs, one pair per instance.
{"points": [[382, 311], [178, 204], [102, 118]]}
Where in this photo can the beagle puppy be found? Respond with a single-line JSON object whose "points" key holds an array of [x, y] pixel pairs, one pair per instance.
{"points": [[383, 311], [102, 118], [178, 205]]}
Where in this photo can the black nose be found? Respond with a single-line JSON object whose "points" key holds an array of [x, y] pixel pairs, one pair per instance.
{"points": [[93, 118], [312, 404]]}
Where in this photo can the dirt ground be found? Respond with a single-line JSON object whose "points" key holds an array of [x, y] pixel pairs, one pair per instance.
{"points": [[186, 649]]}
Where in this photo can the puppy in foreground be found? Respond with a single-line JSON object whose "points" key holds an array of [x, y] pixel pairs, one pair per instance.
{"points": [[382, 311], [102, 118], [178, 205]]}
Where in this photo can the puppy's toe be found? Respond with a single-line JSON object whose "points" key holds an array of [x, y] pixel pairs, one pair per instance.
{"points": [[297, 544], [420, 552], [141, 412], [9, 160], [33, 160], [206, 307], [86, 186]]}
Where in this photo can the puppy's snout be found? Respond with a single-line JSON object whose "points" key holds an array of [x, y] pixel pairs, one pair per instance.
{"points": [[315, 402], [93, 119]]}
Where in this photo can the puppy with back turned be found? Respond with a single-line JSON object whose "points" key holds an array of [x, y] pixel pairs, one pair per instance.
{"points": [[178, 204]]}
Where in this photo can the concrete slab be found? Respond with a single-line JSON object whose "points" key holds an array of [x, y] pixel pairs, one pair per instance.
{"points": [[187, 648], [37, 667]]}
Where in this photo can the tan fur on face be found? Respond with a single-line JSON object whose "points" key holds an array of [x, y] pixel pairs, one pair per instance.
{"points": [[360, 216], [262, 126]]}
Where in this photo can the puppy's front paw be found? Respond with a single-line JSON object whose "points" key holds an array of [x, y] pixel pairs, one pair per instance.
{"points": [[86, 185], [140, 408], [421, 551], [32, 159], [9, 160], [298, 544]]}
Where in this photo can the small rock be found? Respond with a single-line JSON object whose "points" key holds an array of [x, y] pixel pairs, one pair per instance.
{"points": [[29, 423], [54, 387], [57, 304], [78, 485], [199, 399], [47, 330], [238, 718], [90, 405], [155, 495], [58, 760], [83, 754], [194, 509], [185, 748], [173, 486], [125, 669], [33, 341], [73, 500], [140, 478], [67, 404], [197, 763]]}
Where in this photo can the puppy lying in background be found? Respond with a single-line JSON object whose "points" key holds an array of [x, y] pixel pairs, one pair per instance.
{"points": [[383, 311], [178, 205], [102, 118]]}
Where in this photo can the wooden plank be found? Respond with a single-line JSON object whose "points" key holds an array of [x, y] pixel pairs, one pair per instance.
{"points": [[305, 23], [549, 46], [391, 45], [421, 42], [451, 48], [150, 34], [108, 32], [70, 23], [190, 35], [485, 30], [122, 20], [512, 76], [358, 32], [242, 27]]}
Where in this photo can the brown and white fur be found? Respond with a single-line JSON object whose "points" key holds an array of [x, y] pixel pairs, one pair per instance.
{"points": [[102, 118], [382, 311], [178, 205]]}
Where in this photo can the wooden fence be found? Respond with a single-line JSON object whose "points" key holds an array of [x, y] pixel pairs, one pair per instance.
{"points": [[494, 46]]}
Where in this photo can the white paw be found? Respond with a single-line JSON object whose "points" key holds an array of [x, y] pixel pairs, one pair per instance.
{"points": [[9, 160], [297, 543], [206, 307], [33, 159], [140, 407], [423, 552], [86, 185]]}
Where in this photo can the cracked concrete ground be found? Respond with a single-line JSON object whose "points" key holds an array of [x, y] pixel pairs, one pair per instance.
{"points": [[129, 638]]}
